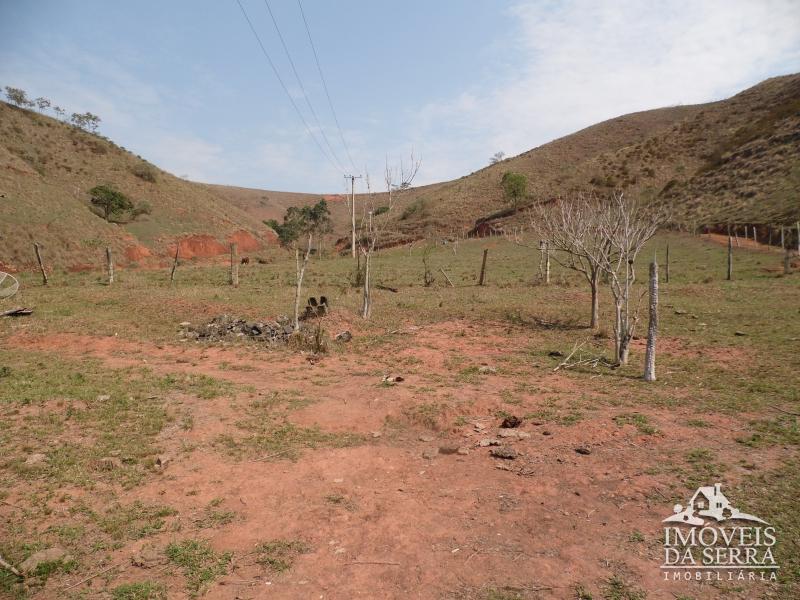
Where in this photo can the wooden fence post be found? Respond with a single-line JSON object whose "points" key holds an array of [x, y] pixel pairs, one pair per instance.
{"points": [[234, 280], [786, 263], [783, 241], [483, 266], [730, 259], [174, 263], [666, 272], [39, 260], [110, 265], [652, 328], [547, 262]]}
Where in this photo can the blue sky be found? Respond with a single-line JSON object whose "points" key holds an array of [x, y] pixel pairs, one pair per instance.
{"points": [[184, 83]]}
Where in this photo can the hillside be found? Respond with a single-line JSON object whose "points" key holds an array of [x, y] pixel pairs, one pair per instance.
{"points": [[732, 161], [736, 160], [46, 170]]}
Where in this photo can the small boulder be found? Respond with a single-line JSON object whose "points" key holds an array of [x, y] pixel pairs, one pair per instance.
{"points": [[488, 442], [583, 450], [505, 452], [35, 459], [344, 336], [511, 422]]}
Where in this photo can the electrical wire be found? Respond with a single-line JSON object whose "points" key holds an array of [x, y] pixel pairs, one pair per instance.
{"points": [[286, 90], [302, 87], [325, 87]]}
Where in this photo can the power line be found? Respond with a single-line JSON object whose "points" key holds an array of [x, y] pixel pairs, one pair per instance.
{"points": [[325, 86], [285, 89], [302, 87]]}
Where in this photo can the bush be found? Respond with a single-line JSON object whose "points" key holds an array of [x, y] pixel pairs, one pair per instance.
{"points": [[144, 172]]}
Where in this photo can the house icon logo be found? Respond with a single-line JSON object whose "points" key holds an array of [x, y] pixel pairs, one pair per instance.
{"points": [[710, 502]]}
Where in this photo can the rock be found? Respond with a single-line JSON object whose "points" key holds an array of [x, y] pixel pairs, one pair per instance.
{"points": [[103, 398], [392, 379], [479, 426], [185, 324], [344, 336], [523, 435], [555, 354], [162, 461], [149, 556], [488, 442], [376, 434], [35, 459], [448, 449], [54, 554], [739, 333], [463, 451], [545, 432], [583, 450], [426, 438], [679, 311], [487, 370], [429, 454], [510, 422], [504, 452], [506, 433]]}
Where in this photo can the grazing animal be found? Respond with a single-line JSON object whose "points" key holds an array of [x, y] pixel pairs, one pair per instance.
{"points": [[245, 260]]}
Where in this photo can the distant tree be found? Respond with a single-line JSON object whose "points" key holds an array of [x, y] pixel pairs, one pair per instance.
{"points": [[60, 112], [18, 96], [42, 103], [497, 157], [143, 208], [515, 186], [110, 201], [86, 121]]}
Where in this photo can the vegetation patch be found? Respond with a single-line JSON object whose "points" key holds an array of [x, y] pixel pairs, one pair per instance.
{"points": [[200, 563], [279, 555]]}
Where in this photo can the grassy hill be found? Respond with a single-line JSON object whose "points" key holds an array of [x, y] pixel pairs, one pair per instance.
{"points": [[736, 160], [47, 168], [732, 161]]}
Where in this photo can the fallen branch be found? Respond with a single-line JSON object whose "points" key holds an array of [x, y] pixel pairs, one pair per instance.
{"points": [[268, 456], [69, 587], [17, 312], [9, 567], [380, 286], [446, 277], [575, 348], [374, 562], [786, 412]]}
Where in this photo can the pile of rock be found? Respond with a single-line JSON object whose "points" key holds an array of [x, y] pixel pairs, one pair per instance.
{"points": [[225, 326]]}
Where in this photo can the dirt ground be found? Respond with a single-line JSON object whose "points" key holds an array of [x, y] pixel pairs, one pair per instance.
{"points": [[418, 508]]}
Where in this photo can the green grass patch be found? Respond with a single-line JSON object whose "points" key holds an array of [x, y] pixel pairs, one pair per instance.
{"points": [[200, 563]]}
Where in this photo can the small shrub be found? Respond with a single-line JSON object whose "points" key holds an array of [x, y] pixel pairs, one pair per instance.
{"points": [[143, 590], [144, 172]]}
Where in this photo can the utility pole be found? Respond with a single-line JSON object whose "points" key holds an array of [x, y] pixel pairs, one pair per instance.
{"points": [[352, 179]]}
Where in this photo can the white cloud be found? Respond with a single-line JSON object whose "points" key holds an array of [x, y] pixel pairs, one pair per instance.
{"points": [[577, 63]]}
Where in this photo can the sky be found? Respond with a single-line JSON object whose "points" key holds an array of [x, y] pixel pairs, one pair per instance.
{"points": [[185, 84]]}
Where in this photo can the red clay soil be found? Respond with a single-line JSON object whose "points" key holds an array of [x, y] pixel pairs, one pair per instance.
{"points": [[381, 520], [245, 241], [199, 246], [137, 252]]}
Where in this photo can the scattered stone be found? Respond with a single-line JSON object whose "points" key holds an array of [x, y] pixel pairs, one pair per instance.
{"points": [[546, 432], [338, 480], [392, 379], [479, 426], [506, 433], [583, 450], [510, 422], [148, 557], [426, 438], [505, 452], [376, 434], [489, 442], [679, 311], [523, 435], [487, 370], [555, 354], [739, 333], [223, 326], [103, 398], [54, 554], [429, 454], [448, 449], [35, 459], [345, 336], [463, 451], [162, 461]]}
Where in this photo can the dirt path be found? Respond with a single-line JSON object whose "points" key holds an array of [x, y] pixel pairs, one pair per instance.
{"points": [[393, 517]]}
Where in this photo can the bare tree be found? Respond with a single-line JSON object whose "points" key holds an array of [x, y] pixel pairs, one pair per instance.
{"points": [[626, 225], [497, 157], [571, 229], [396, 179]]}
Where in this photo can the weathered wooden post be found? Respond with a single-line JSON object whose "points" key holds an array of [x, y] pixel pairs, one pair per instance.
{"points": [[110, 265], [730, 259], [234, 279], [39, 260], [798, 237], [547, 262], [483, 266], [783, 241], [736, 236], [652, 327], [174, 263], [787, 265], [666, 272], [769, 233]]}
